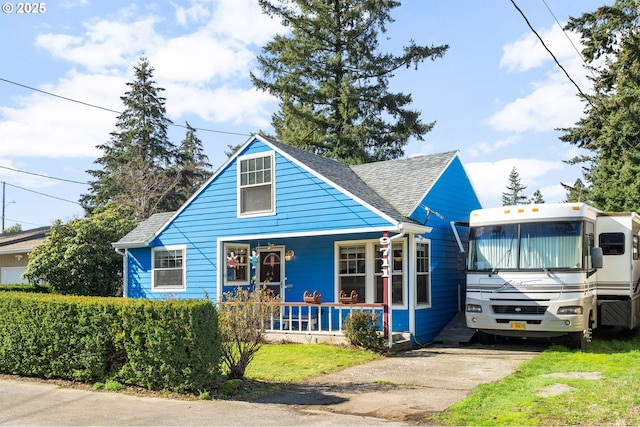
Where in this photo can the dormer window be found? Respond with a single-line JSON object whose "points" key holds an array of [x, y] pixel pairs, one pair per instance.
{"points": [[255, 185]]}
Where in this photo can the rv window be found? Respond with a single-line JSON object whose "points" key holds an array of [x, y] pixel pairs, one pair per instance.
{"points": [[612, 243]]}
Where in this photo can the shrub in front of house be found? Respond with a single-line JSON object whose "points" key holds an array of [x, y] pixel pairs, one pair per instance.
{"points": [[26, 287], [171, 345], [361, 329]]}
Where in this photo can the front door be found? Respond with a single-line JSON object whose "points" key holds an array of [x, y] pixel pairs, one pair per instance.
{"points": [[271, 268]]}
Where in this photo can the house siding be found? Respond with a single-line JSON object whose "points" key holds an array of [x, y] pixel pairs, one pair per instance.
{"points": [[304, 204], [311, 215], [453, 197]]}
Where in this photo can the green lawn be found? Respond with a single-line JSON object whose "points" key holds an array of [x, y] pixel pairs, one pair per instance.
{"points": [[287, 363], [561, 387]]}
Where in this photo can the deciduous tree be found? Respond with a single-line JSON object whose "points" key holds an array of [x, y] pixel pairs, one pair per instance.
{"points": [[77, 258], [333, 82]]}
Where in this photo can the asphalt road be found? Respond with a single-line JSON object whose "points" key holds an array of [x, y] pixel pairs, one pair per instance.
{"points": [[391, 391]]}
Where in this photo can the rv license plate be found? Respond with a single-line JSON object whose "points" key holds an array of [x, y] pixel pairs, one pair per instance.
{"points": [[518, 326]]}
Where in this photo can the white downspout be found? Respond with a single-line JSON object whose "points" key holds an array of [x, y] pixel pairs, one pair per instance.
{"points": [[390, 286], [125, 271]]}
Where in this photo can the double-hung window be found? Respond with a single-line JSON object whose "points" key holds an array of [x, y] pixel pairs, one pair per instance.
{"points": [[168, 268], [423, 282], [256, 185], [360, 269]]}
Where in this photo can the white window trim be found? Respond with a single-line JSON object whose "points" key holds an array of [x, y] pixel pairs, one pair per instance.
{"points": [[370, 266], [247, 248], [239, 160], [415, 276], [183, 288]]}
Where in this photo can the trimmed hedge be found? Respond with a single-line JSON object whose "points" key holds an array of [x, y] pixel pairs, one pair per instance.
{"points": [[152, 344], [26, 287]]}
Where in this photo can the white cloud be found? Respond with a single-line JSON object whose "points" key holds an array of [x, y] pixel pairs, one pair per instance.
{"points": [[106, 44], [196, 13], [527, 52], [198, 58], [552, 104], [204, 69], [490, 179], [243, 20], [481, 148], [238, 106], [46, 126]]}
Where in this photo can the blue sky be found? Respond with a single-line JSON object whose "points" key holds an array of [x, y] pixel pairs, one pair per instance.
{"points": [[497, 96]]}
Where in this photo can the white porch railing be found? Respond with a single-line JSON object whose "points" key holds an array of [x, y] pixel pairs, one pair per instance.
{"points": [[324, 318]]}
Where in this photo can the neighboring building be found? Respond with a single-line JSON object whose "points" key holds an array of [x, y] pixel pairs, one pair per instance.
{"points": [[14, 253], [301, 222]]}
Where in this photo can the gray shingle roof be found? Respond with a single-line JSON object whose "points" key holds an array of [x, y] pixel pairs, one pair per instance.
{"points": [[403, 183], [342, 175], [145, 231], [393, 187]]}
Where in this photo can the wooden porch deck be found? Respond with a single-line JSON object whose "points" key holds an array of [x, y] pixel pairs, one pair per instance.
{"points": [[316, 323]]}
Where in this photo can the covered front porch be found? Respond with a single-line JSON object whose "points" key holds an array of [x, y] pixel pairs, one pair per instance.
{"points": [[321, 323]]}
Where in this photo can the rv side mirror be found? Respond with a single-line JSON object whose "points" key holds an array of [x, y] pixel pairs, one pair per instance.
{"points": [[462, 261], [596, 258]]}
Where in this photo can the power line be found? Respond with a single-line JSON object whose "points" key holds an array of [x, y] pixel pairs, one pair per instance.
{"points": [[43, 194], [44, 176], [551, 53], [568, 38], [113, 111]]}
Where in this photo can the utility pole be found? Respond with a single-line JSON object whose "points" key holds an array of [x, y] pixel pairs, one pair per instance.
{"points": [[3, 187], [4, 205]]}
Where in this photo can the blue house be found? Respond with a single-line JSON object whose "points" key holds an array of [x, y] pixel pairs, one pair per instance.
{"points": [[298, 222]]}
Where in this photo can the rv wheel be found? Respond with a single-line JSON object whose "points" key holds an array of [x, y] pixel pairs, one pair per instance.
{"points": [[578, 340]]}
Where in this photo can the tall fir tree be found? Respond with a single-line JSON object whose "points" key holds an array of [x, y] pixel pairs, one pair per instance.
{"points": [[139, 162], [515, 190], [192, 165], [333, 83], [537, 197], [577, 193], [610, 129]]}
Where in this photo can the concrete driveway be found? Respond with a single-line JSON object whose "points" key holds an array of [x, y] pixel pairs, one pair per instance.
{"points": [[393, 391]]}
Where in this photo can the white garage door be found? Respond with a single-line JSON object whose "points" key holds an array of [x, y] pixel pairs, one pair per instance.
{"points": [[12, 275]]}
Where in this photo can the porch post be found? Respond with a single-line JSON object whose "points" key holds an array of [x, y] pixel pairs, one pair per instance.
{"points": [[384, 242]]}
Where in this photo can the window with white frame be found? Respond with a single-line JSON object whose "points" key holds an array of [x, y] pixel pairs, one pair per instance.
{"points": [[237, 264], [423, 269], [255, 185], [360, 270], [352, 270], [168, 268]]}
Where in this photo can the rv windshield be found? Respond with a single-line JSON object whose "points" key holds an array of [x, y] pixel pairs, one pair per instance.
{"points": [[535, 246]]}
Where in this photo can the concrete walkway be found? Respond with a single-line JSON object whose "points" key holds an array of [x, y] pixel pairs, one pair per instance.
{"points": [[391, 391]]}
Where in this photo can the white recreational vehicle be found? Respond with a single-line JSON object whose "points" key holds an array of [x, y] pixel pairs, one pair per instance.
{"points": [[551, 270]]}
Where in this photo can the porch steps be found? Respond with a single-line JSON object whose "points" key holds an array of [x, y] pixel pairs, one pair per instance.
{"points": [[456, 332]]}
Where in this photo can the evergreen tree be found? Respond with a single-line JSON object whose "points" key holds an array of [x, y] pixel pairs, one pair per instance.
{"points": [[193, 167], [333, 84], [138, 156], [537, 197], [611, 126], [577, 193], [515, 194]]}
